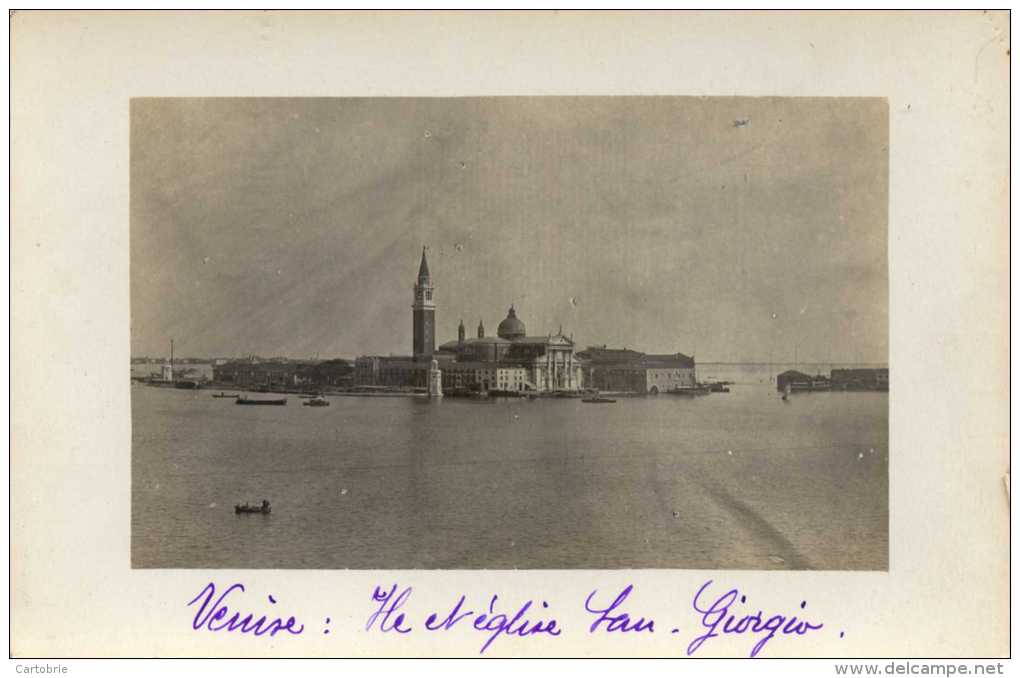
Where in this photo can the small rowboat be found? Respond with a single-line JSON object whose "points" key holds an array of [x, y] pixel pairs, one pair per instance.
{"points": [[263, 508], [221, 394], [316, 402], [597, 399]]}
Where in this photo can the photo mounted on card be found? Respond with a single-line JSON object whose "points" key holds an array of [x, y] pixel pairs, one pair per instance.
{"points": [[570, 367], [304, 272]]}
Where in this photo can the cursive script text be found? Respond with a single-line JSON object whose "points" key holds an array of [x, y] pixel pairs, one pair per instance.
{"points": [[215, 616], [386, 614], [717, 618], [615, 620], [495, 623]]}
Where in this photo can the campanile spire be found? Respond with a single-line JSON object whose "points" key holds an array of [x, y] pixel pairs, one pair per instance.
{"points": [[423, 313], [423, 269]]}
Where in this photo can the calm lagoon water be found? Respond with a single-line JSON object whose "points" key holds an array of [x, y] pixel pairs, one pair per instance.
{"points": [[739, 480]]}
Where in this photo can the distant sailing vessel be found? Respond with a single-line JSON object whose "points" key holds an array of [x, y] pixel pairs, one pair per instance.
{"points": [[167, 378]]}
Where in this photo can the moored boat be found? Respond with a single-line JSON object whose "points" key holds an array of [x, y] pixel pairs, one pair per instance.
{"points": [[221, 394], [689, 391], [597, 399], [241, 400], [316, 402]]}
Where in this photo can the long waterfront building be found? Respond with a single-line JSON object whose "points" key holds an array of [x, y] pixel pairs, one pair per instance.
{"points": [[624, 370]]}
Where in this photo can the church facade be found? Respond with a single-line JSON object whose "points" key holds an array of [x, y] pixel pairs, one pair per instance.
{"points": [[512, 361]]}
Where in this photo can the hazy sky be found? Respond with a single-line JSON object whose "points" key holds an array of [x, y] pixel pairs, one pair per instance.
{"points": [[295, 226]]}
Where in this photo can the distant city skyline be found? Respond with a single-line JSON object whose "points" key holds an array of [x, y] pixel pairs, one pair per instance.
{"points": [[293, 227]]}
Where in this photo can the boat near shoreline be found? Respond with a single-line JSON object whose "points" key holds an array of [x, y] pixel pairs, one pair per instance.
{"points": [[690, 391], [241, 400]]}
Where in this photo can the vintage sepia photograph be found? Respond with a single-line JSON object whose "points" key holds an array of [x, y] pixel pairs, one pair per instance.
{"points": [[497, 333]]}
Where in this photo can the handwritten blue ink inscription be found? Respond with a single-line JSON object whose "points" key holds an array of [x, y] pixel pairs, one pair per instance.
{"points": [[493, 622], [717, 618], [215, 616], [613, 613], [611, 620], [386, 614]]}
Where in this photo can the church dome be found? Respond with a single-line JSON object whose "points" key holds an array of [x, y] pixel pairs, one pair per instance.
{"points": [[511, 327]]}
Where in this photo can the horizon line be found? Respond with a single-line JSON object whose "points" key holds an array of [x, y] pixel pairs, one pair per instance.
{"points": [[704, 362]]}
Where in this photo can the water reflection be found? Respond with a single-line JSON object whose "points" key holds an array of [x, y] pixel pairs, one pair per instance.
{"points": [[727, 481]]}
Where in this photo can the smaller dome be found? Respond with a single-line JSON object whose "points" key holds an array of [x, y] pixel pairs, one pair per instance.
{"points": [[511, 327]]}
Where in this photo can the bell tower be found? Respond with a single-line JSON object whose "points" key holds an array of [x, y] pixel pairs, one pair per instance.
{"points": [[424, 313]]}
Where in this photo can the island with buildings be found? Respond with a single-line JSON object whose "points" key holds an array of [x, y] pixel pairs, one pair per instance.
{"points": [[510, 363]]}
